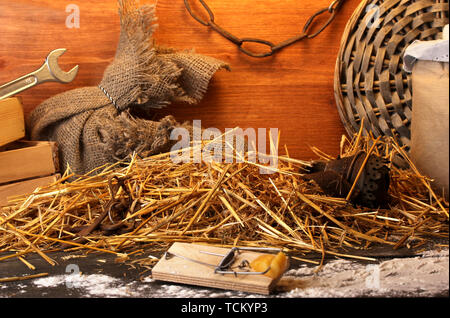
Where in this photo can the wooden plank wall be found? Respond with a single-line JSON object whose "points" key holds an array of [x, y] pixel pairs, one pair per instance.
{"points": [[291, 91]]}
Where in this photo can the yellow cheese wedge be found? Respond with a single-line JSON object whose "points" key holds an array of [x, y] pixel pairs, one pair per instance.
{"points": [[277, 263]]}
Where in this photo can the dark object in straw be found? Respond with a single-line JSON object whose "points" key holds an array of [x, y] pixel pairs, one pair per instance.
{"points": [[337, 177], [93, 125], [371, 87]]}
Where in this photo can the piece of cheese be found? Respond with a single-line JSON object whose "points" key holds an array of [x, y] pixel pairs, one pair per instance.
{"points": [[277, 264]]}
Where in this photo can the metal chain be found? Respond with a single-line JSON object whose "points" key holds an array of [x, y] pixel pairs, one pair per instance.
{"points": [[332, 9]]}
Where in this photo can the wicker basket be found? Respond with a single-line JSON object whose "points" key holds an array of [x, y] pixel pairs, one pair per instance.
{"points": [[369, 79]]}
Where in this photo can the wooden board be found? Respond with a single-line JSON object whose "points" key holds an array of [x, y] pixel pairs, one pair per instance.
{"points": [[28, 159], [12, 125], [292, 91], [179, 270], [11, 190]]}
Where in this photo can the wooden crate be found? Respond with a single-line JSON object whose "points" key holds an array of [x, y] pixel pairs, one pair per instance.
{"points": [[12, 123], [10, 190], [28, 159], [26, 165]]}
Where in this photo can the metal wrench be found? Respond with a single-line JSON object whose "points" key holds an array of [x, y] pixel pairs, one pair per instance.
{"points": [[48, 72]]}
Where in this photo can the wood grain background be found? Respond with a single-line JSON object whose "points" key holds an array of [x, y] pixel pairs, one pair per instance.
{"points": [[291, 91]]}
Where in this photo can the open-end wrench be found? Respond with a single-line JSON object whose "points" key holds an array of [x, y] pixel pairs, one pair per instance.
{"points": [[48, 72]]}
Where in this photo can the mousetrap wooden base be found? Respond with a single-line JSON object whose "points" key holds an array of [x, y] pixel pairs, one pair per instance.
{"points": [[182, 269]]}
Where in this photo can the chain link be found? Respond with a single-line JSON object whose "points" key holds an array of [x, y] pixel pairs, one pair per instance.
{"points": [[332, 9]]}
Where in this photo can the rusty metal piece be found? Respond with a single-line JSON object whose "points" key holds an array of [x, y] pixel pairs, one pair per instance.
{"points": [[336, 178], [332, 9], [114, 207]]}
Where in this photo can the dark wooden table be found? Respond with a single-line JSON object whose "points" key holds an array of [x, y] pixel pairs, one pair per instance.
{"points": [[131, 278]]}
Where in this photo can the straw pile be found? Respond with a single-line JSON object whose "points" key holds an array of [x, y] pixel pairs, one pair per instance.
{"points": [[222, 204]]}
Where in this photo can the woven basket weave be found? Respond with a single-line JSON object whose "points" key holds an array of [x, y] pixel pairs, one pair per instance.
{"points": [[369, 79]]}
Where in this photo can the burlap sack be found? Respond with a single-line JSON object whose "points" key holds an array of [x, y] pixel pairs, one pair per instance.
{"points": [[430, 122], [93, 126]]}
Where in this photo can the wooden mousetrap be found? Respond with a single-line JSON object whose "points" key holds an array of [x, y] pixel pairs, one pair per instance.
{"points": [[224, 268]]}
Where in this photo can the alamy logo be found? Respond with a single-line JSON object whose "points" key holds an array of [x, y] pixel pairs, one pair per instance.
{"points": [[373, 280], [73, 19], [373, 16], [235, 145], [73, 272]]}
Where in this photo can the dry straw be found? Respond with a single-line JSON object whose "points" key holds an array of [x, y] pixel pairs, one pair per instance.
{"points": [[222, 204]]}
